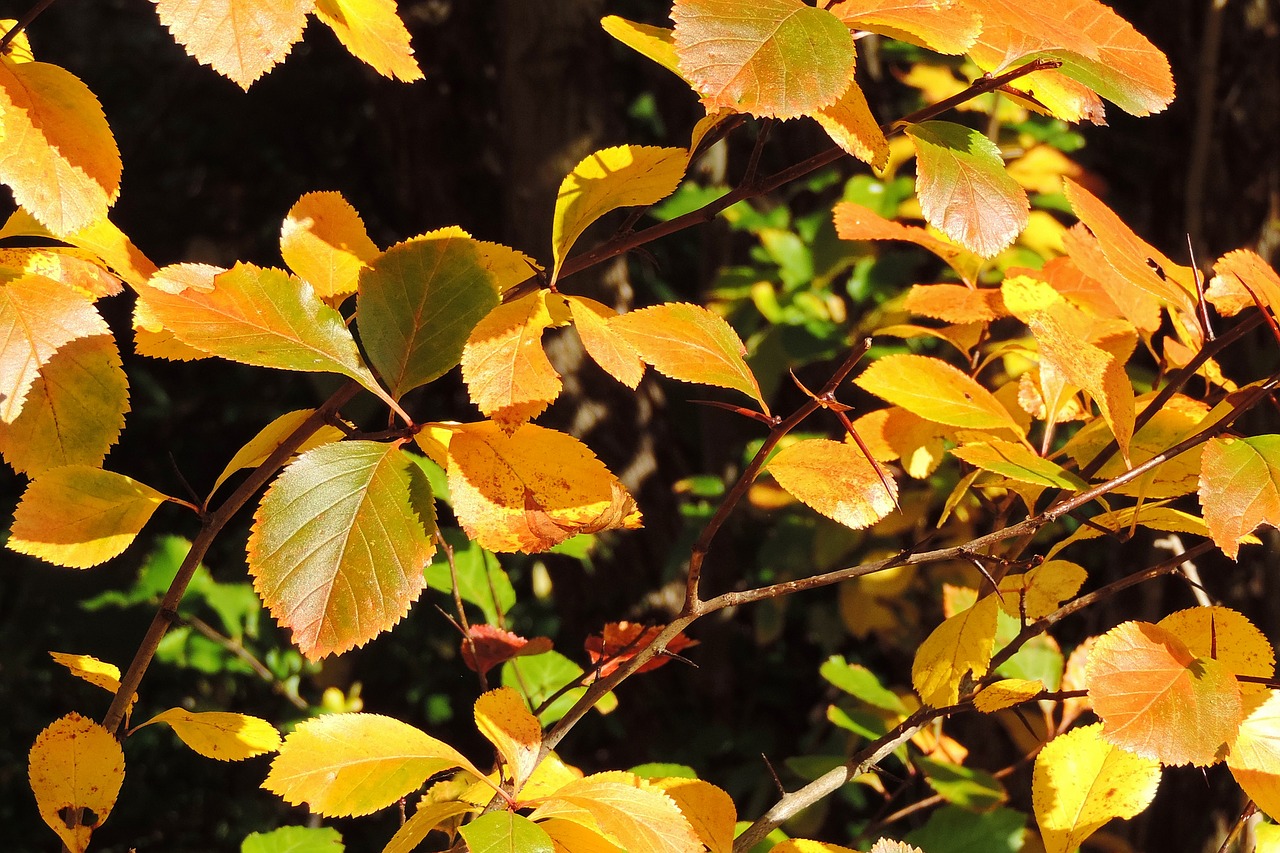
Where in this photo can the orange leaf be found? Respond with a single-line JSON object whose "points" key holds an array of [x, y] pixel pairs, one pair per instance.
{"points": [[836, 479], [895, 433], [1238, 487], [1229, 638], [240, 39], [324, 242], [59, 156], [626, 809], [76, 768], [150, 337], [618, 642], [507, 372], [606, 348], [79, 269], [851, 125], [1006, 694], [504, 719], [955, 303], [943, 26], [689, 343], [373, 32], [855, 222], [1158, 700], [776, 58], [708, 809], [1232, 272], [936, 391], [486, 646]]}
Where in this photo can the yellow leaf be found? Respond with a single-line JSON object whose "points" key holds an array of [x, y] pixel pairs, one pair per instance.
{"points": [[1228, 637], [79, 269], [373, 32], [549, 776], [37, 316], [346, 765], [1087, 260], [943, 26], [59, 156], [1018, 463], [427, 817], [895, 433], [1042, 168], [101, 238], [572, 837], [958, 649], [625, 176], [240, 39], [75, 768], [1235, 274], [507, 371], [532, 489], [1254, 758], [272, 436], [150, 337], [1038, 592], [1081, 782], [851, 125], [220, 735], [626, 810], [836, 479], [19, 49], [709, 810], [936, 391], [74, 411], [855, 222], [606, 348], [655, 43], [502, 717], [324, 242], [804, 845], [77, 516], [1007, 693], [689, 343], [96, 672]]}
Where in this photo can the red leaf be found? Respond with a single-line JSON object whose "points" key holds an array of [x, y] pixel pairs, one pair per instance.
{"points": [[486, 646], [619, 642]]}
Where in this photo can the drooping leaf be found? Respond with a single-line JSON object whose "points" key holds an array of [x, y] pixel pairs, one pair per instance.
{"points": [[936, 391], [836, 479], [503, 718], [75, 768], [324, 241], [96, 672], [78, 516], [626, 808], [1006, 694], [1158, 700], [655, 43], [1238, 487], [37, 317], [101, 237], [373, 32], [271, 436], [948, 26], [507, 371], [619, 642], [1017, 462], [59, 156], [1254, 758], [958, 649], [1081, 781], [339, 544], [427, 817], [778, 58], [240, 39], [506, 832], [851, 125], [1037, 592], [709, 810], [855, 222], [964, 189], [219, 734], [487, 646], [74, 411], [294, 839], [346, 765], [606, 348], [624, 176], [689, 343], [417, 306], [533, 489]]}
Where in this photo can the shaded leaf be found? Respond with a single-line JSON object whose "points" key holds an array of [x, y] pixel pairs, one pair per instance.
{"points": [[480, 577], [619, 642], [626, 809], [709, 810], [270, 437], [936, 391], [539, 677], [836, 479], [487, 646], [1254, 758], [221, 735], [804, 845], [958, 649], [1017, 462], [507, 371], [101, 237], [1006, 694], [503, 718], [952, 829], [324, 241], [1238, 488], [967, 787], [75, 769], [240, 39], [372, 31], [427, 817], [606, 348], [861, 683], [294, 839]]}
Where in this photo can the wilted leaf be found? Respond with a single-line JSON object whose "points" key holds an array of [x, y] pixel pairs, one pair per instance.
{"points": [[346, 765], [75, 768], [635, 813], [958, 649], [963, 188], [271, 437], [240, 39], [836, 479], [96, 672], [1238, 487], [507, 371], [373, 32], [221, 735], [324, 241], [943, 26], [78, 516], [487, 646], [619, 642], [936, 391], [709, 810], [503, 718], [340, 542], [606, 348]]}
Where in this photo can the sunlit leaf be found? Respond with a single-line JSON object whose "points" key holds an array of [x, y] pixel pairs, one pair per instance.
{"points": [[851, 125], [896, 434], [964, 189], [150, 337], [1081, 782], [955, 303], [1254, 758], [506, 832], [1158, 700], [1239, 487], [836, 479], [1017, 462], [936, 391], [271, 436], [958, 649], [1006, 694], [943, 26], [344, 765], [75, 768], [805, 845], [635, 813], [96, 672], [373, 32], [240, 39], [507, 371], [777, 58], [101, 237], [855, 222], [709, 810], [606, 348], [79, 269], [1235, 274], [1037, 592], [655, 43], [1229, 638], [1089, 266], [427, 817], [78, 516], [570, 837], [219, 734], [340, 542], [324, 241], [502, 717]]}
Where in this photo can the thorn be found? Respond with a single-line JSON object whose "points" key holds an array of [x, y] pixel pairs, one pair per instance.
{"points": [[768, 420]]}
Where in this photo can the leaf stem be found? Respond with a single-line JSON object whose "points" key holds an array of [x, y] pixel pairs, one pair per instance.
{"points": [[23, 22]]}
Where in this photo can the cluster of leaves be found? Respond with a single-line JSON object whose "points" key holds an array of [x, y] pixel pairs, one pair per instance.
{"points": [[1048, 417]]}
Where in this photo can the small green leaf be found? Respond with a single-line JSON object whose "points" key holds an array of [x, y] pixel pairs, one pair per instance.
{"points": [[506, 832], [294, 839]]}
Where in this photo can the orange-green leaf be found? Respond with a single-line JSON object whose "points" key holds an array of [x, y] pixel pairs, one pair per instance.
{"points": [[346, 765], [963, 188], [1006, 694], [507, 371], [623, 807], [324, 242], [1158, 700], [1238, 487], [533, 489], [1038, 592], [37, 316], [373, 32], [855, 222], [606, 348], [340, 542], [419, 302], [943, 26], [74, 411], [709, 810], [427, 817], [502, 717], [272, 436], [851, 125], [150, 337], [1081, 781], [836, 479], [78, 516], [1254, 758], [689, 343], [936, 391], [59, 156], [240, 39], [958, 649], [1017, 462], [778, 58], [75, 768], [624, 176], [219, 734]]}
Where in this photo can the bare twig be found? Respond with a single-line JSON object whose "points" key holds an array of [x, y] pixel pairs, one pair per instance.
{"points": [[23, 22]]}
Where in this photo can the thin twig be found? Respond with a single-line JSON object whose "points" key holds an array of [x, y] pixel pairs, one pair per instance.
{"points": [[237, 648], [22, 24]]}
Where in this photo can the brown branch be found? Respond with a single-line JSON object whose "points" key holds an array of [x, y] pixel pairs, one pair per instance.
{"points": [[22, 24]]}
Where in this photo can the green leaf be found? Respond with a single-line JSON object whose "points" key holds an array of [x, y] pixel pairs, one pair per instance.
{"points": [[294, 839], [338, 549], [663, 770], [952, 829], [418, 303], [861, 683], [481, 579], [1017, 462], [506, 832], [964, 189], [539, 676], [967, 787]]}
